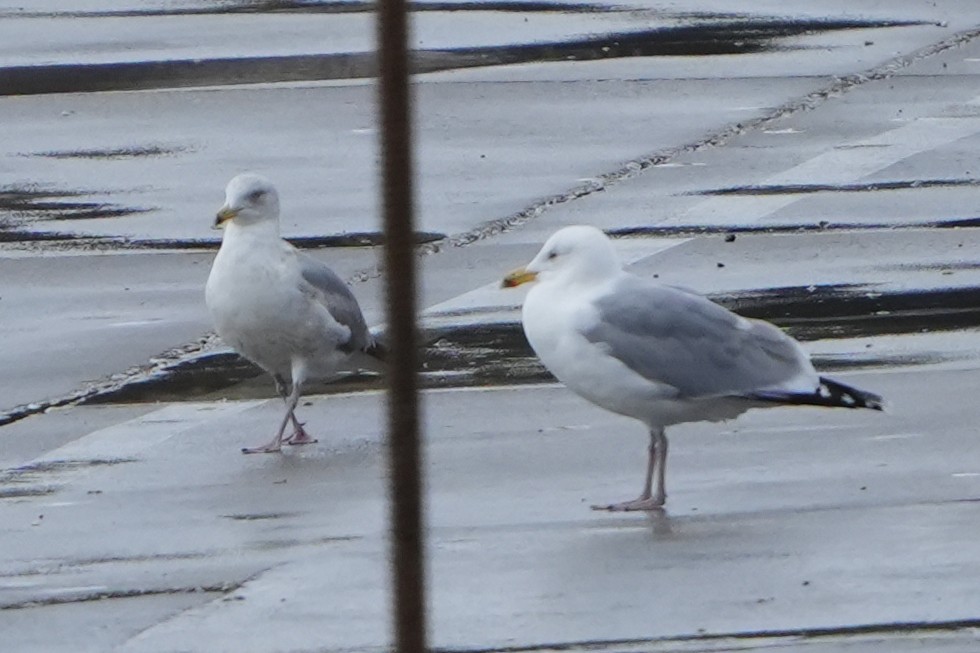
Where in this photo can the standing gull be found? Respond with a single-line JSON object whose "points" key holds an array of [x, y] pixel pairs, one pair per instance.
{"points": [[656, 353], [284, 311]]}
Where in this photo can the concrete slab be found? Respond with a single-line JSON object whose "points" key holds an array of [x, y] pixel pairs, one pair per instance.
{"points": [[790, 518], [141, 528]]}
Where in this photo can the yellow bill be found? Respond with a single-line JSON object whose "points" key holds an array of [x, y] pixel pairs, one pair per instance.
{"points": [[224, 215], [518, 277]]}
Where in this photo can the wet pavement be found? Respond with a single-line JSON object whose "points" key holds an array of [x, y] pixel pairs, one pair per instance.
{"points": [[817, 169]]}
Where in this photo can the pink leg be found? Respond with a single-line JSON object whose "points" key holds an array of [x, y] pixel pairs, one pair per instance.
{"points": [[656, 466], [299, 436], [276, 444]]}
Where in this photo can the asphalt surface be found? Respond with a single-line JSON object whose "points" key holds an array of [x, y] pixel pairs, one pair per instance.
{"points": [[822, 175]]}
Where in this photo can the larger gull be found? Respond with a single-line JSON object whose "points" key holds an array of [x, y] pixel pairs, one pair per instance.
{"points": [[656, 353], [286, 312]]}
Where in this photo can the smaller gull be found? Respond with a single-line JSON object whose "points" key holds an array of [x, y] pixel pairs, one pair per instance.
{"points": [[656, 353], [286, 312]]}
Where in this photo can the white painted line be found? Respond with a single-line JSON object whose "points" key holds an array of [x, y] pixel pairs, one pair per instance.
{"points": [[491, 299], [895, 436], [495, 388], [794, 428], [847, 163], [75, 589], [128, 439]]}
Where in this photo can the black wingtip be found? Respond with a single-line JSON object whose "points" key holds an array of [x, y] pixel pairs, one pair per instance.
{"points": [[830, 393], [848, 396]]}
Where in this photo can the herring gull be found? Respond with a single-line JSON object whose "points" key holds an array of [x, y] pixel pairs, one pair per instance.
{"points": [[659, 354], [286, 312]]}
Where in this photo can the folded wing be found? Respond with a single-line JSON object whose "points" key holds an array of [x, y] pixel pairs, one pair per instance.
{"points": [[676, 337]]}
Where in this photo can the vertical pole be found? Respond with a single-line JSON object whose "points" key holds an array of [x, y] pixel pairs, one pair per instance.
{"points": [[405, 493]]}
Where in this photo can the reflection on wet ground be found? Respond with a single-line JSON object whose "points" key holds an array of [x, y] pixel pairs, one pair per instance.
{"points": [[821, 312], [497, 353]]}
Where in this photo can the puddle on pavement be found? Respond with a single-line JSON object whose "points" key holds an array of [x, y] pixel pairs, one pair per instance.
{"points": [[26, 236], [131, 152], [207, 377], [36, 203], [701, 38], [821, 312], [273, 545], [25, 492], [495, 354], [260, 516]]}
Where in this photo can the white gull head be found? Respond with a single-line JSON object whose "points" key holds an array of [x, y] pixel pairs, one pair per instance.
{"points": [[249, 199], [579, 254]]}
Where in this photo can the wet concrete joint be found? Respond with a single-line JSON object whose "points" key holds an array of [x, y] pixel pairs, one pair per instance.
{"points": [[688, 230], [886, 628], [222, 588], [44, 567], [804, 189]]}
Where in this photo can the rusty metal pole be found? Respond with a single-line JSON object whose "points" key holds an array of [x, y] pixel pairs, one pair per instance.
{"points": [[404, 447]]}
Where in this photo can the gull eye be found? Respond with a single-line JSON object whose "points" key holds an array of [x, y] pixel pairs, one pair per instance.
{"points": [[552, 255], [255, 195]]}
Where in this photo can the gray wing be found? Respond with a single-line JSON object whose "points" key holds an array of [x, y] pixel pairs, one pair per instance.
{"points": [[677, 337], [331, 291]]}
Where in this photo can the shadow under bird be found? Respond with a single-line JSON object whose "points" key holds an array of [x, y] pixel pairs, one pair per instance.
{"points": [[659, 354], [286, 312]]}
